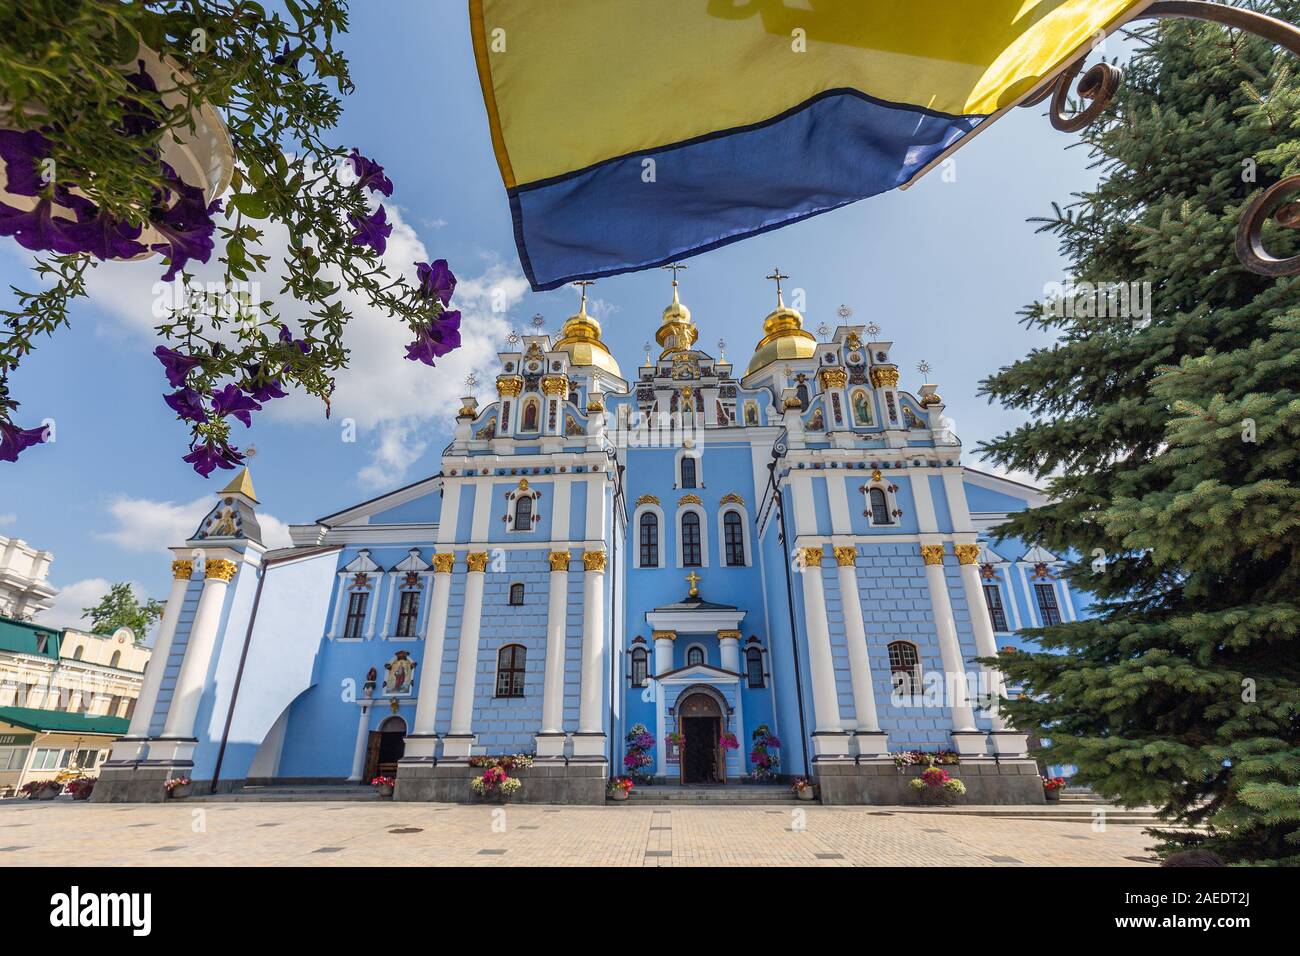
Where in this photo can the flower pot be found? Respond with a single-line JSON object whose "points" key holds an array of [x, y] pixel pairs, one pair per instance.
{"points": [[45, 793], [805, 794], [618, 795], [384, 791], [1052, 796], [181, 792], [202, 157], [83, 794]]}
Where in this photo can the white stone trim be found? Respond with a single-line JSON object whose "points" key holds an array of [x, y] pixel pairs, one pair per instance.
{"points": [[698, 454]]}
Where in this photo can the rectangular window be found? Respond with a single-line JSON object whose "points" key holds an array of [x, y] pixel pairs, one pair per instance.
{"points": [[408, 609], [754, 667], [13, 758], [691, 552], [1046, 594], [46, 758], [356, 614], [997, 615]]}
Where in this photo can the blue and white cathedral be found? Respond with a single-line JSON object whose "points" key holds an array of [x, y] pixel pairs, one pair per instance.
{"points": [[791, 554]]}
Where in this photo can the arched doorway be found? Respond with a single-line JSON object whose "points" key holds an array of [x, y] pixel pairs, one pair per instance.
{"points": [[387, 745], [699, 720]]}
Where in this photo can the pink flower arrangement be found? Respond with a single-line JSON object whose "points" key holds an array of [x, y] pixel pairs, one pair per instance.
{"points": [[728, 741]]}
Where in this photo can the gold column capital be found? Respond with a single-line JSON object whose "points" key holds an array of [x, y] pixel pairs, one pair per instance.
{"points": [[182, 570], [663, 635], [220, 569], [932, 553], [477, 560], [728, 635], [593, 560], [442, 563], [967, 553], [812, 557], [884, 377], [846, 556], [559, 560]]}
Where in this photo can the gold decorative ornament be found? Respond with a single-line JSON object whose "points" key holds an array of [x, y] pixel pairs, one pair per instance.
{"points": [[811, 557], [934, 398], [967, 553], [876, 475], [182, 570], [689, 499], [847, 556], [466, 412], [555, 385], [510, 387], [593, 560], [477, 560], [932, 553], [647, 500], [559, 560], [833, 377], [694, 580], [580, 337], [792, 402], [663, 635], [784, 337], [731, 498], [676, 332], [442, 563], [595, 406], [884, 377], [220, 569], [853, 342], [523, 484], [729, 635]]}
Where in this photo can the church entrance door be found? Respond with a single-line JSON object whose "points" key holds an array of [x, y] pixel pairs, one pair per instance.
{"points": [[700, 720], [386, 747]]}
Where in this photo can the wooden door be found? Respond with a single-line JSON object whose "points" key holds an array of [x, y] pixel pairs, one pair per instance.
{"points": [[372, 756]]}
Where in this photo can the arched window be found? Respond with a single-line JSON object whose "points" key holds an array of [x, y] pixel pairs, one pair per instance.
{"points": [[879, 507], [408, 612], [516, 593], [733, 536], [802, 393], [510, 671], [691, 555], [524, 513], [905, 668], [115, 659], [694, 655], [530, 417], [754, 667], [640, 667], [649, 540], [688, 471]]}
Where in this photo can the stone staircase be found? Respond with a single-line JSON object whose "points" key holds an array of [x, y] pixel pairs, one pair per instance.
{"points": [[756, 794], [304, 793]]}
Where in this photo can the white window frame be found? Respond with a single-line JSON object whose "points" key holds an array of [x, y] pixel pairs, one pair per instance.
{"points": [[744, 536], [698, 455]]}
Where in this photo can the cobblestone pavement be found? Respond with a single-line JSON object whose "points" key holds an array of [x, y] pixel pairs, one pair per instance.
{"points": [[389, 834]]}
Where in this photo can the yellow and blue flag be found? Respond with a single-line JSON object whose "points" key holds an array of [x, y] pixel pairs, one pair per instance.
{"points": [[633, 132]]}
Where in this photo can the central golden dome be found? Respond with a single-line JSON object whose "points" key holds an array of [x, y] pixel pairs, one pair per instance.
{"points": [[676, 333], [580, 337], [784, 338]]}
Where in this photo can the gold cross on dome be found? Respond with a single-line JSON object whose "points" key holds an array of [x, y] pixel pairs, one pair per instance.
{"points": [[694, 579], [676, 267], [582, 284], [777, 276]]}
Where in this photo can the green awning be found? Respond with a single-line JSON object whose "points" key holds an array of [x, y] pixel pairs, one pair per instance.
{"points": [[62, 722]]}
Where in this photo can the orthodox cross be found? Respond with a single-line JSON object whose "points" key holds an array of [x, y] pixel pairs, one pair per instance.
{"points": [[694, 579], [924, 367], [777, 276], [582, 284], [676, 267]]}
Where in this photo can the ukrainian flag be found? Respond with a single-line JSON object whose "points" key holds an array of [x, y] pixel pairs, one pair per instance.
{"points": [[633, 132]]}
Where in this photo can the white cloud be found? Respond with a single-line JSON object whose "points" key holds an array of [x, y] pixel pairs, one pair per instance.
{"points": [[145, 525], [8, 518], [396, 405]]}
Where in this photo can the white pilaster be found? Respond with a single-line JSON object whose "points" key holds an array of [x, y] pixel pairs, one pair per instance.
{"points": [[871, 741], [359, 750], [590, 742], [954, 669], [460, 736], [663, 664], [217, 573], [550, 739], [1006, 742], [130, 749], [729, 650], [435, 639], [829, 739]]}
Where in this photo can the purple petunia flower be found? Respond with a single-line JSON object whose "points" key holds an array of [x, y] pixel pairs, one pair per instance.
{"points": [[186, 225], [287, 337], [177, 365], [214, 454], [436, 280], [436, 339], [188, 404], [231, 401], [14, 440], [269, 387], [21, 151], [370, 175], [372, 231]]}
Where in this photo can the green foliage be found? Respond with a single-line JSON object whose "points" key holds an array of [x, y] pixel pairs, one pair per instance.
{"points": [[276, 79], [1174, 447], [120, 608]]}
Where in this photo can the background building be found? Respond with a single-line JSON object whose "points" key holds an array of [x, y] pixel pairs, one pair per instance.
{"points": [[24, 590]]}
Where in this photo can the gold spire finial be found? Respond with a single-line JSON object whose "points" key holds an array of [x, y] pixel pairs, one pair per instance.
{"points": [[676, 332], [241, 484], [694, 579], [582, 284], [784, 336], [776, 274], [580, 337]]}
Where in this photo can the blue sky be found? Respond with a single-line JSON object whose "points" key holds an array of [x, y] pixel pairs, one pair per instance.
{"points": [[942, 268]]}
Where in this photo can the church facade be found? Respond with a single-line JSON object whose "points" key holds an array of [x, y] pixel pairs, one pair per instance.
{"points": [[695, 572]]}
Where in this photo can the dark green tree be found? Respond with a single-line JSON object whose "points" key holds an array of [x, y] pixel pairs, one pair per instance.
{"points": [[120, 608], [1171, 446]]}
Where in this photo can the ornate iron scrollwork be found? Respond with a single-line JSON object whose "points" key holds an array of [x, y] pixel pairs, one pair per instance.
{"points": [[1099, 84]]}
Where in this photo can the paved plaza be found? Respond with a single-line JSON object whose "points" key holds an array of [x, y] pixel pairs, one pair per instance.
{"points": [[388, 834]]}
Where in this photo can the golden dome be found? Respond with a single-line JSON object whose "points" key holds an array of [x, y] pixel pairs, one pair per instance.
{"points": [[784, 338], [580, 337], [677, 332]]}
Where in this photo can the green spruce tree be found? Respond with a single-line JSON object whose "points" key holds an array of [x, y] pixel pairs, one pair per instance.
{"points": [[1174, 450]]}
